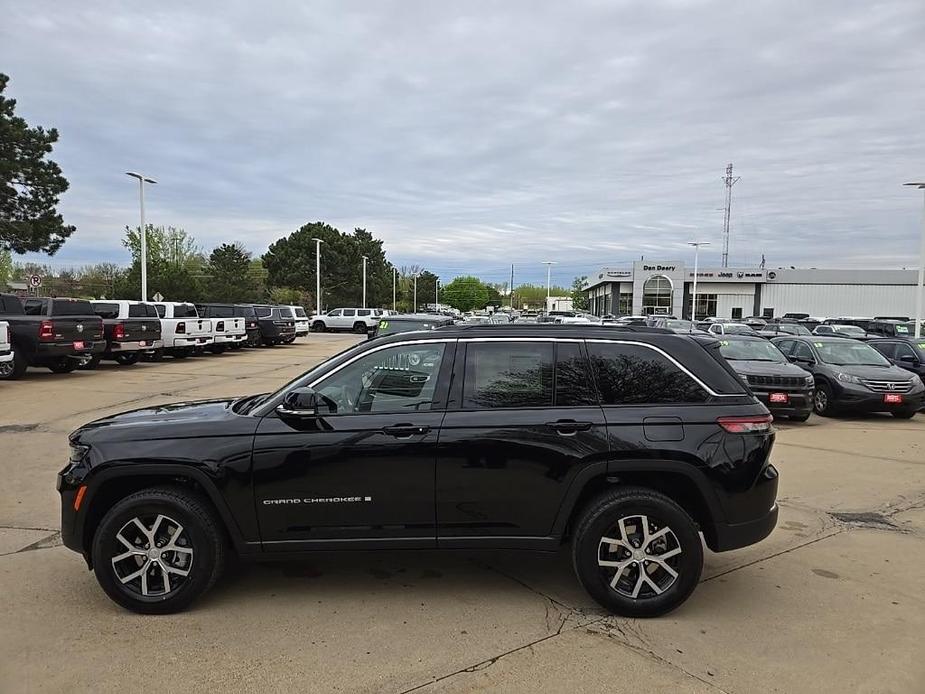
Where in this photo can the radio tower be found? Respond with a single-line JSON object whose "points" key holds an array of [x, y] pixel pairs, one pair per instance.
{"points": [[729, 181]]}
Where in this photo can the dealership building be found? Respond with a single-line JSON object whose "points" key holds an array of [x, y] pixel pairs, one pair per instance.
{"points": [[666, 287]]}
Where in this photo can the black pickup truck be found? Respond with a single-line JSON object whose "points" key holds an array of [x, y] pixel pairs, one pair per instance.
{"points": [[57, 333]]}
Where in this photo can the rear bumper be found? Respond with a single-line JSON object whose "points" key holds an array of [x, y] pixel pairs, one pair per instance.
{"points": [[230, 339], [50, 351], [726, 536], [192, 341], [135, 346]]}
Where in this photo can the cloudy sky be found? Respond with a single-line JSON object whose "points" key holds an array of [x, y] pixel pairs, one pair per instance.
{"points": [[470, 135]]}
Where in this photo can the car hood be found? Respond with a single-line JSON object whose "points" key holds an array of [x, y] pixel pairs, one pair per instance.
{"points": [[881, 373], [766, 368], [202, 418]]}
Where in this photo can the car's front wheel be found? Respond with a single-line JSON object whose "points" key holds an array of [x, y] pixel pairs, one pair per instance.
{"points": [[637, 552], [318, 326], [157, 550], [822, 400]]}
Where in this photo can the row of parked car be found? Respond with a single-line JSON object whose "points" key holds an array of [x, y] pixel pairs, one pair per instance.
{"points": [[64, 334]]}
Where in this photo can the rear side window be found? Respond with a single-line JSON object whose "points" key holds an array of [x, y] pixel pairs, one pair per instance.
{"points": [[509, 374], [635, 374], [32, 307], [573, 380], [349, 312], [10, 304], [185, 311], [161, 310], [141, 311], [106, 311]]}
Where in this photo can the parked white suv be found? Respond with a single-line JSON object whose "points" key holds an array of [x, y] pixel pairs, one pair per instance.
{"points": [[182, 330], [6, 349], [358, 320], [301, 320]]}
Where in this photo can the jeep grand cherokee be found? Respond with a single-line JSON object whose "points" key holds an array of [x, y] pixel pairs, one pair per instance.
{"points": [[628, 443]]}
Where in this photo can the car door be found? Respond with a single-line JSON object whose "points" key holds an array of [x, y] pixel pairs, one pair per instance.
{"points": [[803, 356], [334, 319], [522, 419], [906, 358], [363, 469]]}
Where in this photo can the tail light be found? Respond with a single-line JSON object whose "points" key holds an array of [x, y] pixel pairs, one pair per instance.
{"points": [[252, 324], [47, 330], [760, 424], [118, 331], [220, 326], [181, 328]]}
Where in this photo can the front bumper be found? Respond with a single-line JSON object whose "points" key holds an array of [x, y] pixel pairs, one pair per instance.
{"points": [[798, 402], [230, 339], [850, 396]]}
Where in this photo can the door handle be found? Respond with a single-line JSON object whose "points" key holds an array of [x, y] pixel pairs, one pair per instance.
{"points": [[405, 431], [568, 427]]}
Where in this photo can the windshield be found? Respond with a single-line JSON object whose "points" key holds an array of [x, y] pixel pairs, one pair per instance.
{"points": [[390, 327], [849, 353], [738, 329], [679, 324], [300, 312], [750, 350], [794, 329], [850, 330]]}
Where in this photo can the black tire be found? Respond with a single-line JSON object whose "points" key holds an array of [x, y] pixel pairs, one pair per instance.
{"points": [[127, 358], [217, 349], [822, 400], [14, 370], [600, 519], [64, 365], [318, 326], [359, 328], [180, 353], [904, 413], [800, 417], [204, 539], [155, 356], [92, 364]]}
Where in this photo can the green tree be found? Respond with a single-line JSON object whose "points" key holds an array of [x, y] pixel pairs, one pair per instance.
{"points": [[580, 301], [534, 295], [228, 275], [175, 265], [6, 267], [290, 262], [30, 184], [465, 293]]}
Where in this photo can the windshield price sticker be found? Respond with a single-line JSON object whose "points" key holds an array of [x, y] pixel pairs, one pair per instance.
{"points": [[818, 344]]}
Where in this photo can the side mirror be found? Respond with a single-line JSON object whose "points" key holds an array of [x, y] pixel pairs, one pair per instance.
{"points": [[806, 361], [301, 402], [908, 359]]}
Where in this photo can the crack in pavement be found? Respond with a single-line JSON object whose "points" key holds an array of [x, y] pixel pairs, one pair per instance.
{"points": [[851, 453], [47, 542]]}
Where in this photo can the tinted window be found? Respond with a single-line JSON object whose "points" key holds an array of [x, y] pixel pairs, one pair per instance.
{"points": [[364, 312], [32, 307], [397, 379], [286, 312], [349, 312], [106, 311], [508, 374], [245, 311], [573, 381], [785, 346], [904, 350], [300, 312], [71, 307], [184, 311], [263, 311], [161, 310], [142, 311], [887, 349], [824, 329], [632, 374], [802, 350], [220, 311], [389, 327]]}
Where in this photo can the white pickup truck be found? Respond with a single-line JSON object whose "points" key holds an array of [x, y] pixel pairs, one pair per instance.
{"points": [[358, 320], [6, 349], [182, 330], [228, 326]]}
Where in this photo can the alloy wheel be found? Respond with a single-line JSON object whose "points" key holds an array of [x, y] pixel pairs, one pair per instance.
{"points": [[154, 556], [820, 400], [6, 368], [643, 555]]}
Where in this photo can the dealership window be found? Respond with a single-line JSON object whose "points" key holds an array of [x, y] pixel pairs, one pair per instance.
{"points": [[626, 304], [706, 306], [736, 313], [767, 313], [656, 295]]}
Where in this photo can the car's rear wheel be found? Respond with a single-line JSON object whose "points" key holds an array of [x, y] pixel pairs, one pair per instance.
{"points": [[822, 400], [637, 552], [15, 368], [127, 358], [157, 550], [64, 365], [904, 413]]}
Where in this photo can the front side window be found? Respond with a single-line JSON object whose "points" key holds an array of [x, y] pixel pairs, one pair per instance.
{"points": [[396, 379], [508, 374], [635, 374], [904, 350], [802, 351], [336, 313]]}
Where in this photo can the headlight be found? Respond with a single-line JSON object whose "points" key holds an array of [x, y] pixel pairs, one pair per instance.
{"points": [[810, 381], [77, 453], [916, 381], [847, 378]]}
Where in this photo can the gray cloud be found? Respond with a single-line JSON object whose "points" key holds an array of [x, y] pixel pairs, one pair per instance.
{"points": [[473, 135]]}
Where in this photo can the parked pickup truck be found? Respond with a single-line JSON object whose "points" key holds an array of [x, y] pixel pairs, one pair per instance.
{"points": [[6, 348], [229, 326], [182, 330], [131, 329], [59, 334]]}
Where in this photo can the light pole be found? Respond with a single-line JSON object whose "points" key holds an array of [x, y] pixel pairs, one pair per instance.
{"points": [[921, 284], [144, 235], [394, 285], [415, 292], [548, 264], [364, 280], [318, 243], [436, 294], [696, 245]]}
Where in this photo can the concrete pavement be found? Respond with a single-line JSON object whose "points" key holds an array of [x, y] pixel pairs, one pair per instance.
{"points": [[831, 602]]}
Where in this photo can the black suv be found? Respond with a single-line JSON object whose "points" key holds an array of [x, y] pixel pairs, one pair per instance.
{"points": [[628, 443], [905, 352], [852, 375], [785, 388]]}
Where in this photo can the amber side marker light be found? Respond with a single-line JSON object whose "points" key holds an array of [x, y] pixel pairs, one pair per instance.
{"points": [[81, 490]]}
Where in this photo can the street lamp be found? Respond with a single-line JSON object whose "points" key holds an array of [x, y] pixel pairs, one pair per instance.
{"points": [[318, 243], [416, 292], [696, 245], [365, 258], [394, 285], [921, 283], [548, 264], [144, 236], [437, 294]]}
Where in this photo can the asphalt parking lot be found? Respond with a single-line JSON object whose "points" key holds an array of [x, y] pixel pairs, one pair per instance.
{"points": [[831, 602]]}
